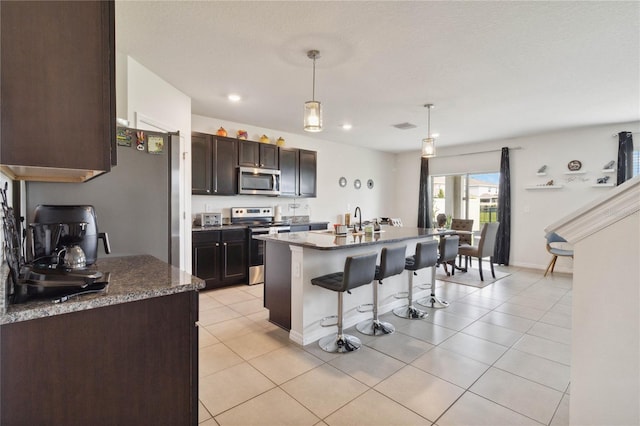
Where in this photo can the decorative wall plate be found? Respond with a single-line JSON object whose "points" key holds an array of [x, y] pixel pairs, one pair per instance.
{"points": [[574, 165], [342, 181], [357, 184], [370, 183]]}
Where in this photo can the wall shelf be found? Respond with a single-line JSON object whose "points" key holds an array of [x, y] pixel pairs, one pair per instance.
{"points": [[608, 170], [602, 185], [543, 187], [576, 172], [541, 174]]}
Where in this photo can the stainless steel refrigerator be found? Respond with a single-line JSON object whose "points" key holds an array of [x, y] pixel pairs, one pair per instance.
{"points": [[137, 203]]}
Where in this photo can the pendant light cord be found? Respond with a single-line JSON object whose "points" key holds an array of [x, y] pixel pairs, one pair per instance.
{"points": [[313, 90]]}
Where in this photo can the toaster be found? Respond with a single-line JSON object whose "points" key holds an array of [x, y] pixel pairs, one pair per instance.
{"points": [[208, 219]]}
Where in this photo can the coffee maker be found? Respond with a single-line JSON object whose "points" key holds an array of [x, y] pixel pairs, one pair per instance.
{"points": [[61, 227]]}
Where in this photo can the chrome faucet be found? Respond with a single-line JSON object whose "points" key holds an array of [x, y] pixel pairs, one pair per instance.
{"points": [[359, 217]]}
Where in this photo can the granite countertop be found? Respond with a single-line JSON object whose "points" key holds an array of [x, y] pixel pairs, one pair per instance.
{"points": [[131, 278], [327, 240]]}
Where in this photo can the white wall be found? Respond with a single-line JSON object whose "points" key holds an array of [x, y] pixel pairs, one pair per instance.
{"points": [[334, 161], [532, 210]]}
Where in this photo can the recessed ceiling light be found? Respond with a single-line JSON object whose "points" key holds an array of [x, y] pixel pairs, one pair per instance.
{"points": [[234, 97], [346, 126]]}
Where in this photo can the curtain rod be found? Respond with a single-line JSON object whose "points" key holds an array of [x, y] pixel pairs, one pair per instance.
{"points": [[615, 135], [478, 152]]}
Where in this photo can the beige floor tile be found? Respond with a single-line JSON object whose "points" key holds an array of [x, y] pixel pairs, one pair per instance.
{"points": [[512, 322], [423, 330], [524, 396], [248, 307], [474, 348], [445, 319], [533, 302], [536, 369], [258, 343], [274, 407], [561, 416], [481, 301], [561, 308], [520, 310], [324, 389], [450, 366], [400, 346], [256, 290], [210, 422], [260, 317], [203, 414], [373, 409], [216, 357], [558, 352], [231, 297], [212, 316], [493, 333], [315, 350], [554, 318], [551, 332], [232, 386], [205, 338], [466, 310], [421, 392], [207, 302], [285, 363], [233, 328], [367, 365], [475, 410]]}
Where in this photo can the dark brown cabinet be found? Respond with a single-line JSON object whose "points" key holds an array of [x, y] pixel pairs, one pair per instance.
{"points": [[256, 154], [297, 172], [213, 165], [221, 257], [57, 89], [132, 363]]}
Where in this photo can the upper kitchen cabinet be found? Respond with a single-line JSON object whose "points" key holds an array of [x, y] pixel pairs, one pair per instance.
{"points": [[57, 75], [257, 154], [213, 165], [297, 172]]}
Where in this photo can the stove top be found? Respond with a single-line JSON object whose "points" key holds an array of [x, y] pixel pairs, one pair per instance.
{"points": [[255, 217]]}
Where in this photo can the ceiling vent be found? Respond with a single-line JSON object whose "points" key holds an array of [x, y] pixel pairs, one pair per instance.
{"points": [[404, 126]]}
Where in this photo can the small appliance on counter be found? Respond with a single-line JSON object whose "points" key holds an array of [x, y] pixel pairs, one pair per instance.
{"points": [[64, 246], [208, 219]]}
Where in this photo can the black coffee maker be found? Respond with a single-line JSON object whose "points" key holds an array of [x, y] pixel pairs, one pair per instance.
{"points": [[58, 227]]}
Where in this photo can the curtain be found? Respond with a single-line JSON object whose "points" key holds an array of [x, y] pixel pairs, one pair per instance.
{"points": [[625, 157], [503, 242], [424, 196]]}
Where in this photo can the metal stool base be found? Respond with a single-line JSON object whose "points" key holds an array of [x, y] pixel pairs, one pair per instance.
{"points": [[339, 343], [409, 312], [375, 328], [433, 302]]}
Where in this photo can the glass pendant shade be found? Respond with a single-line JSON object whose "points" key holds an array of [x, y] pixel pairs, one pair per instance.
{"points": [[428, 147], [312, 116]]}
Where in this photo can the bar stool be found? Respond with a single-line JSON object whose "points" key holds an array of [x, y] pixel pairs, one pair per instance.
{"points": [[426, 256], [358, 271], [392, 262], [448, 254]]}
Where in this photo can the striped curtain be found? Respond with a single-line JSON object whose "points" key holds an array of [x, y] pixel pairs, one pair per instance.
{"points": [[625, 157], [424, 196], [503, 241]]}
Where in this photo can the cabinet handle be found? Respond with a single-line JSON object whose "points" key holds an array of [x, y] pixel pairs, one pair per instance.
{"points": [[224, 244], [217, 244]]}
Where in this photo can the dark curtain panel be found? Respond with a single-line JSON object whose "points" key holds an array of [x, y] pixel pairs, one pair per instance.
{"points": [[625, 157], [424, 196], [503, 242]]}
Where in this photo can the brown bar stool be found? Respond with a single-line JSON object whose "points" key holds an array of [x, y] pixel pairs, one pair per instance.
{"points": [[392, 262], [426, 256], [448, 254], [358, 271]]}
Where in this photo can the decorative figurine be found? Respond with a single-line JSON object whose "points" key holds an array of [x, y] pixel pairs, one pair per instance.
{"points": [[264, 139], [242, 134], [609, 165], [280, 141], [441, 219], [221, 132], [542, 169], [603, 179]]}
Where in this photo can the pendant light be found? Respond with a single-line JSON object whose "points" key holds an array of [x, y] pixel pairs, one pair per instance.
{"points": [[428, 143], [312, 108]]}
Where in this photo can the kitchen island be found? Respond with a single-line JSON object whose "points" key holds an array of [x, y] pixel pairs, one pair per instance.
{"points": [[126, 356], [292, 260]]}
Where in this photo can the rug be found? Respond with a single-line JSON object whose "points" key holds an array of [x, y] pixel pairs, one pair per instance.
{"points": [[471, 277]]}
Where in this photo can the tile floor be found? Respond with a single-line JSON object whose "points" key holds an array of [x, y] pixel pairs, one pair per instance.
{"points": [[497, 356]]}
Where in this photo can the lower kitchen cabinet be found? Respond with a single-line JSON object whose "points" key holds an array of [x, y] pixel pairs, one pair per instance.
{"points": [[220, 257], [132, 363]]}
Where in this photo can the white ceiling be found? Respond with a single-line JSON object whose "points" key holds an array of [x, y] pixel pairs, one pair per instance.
{"points": [[493, 69]]}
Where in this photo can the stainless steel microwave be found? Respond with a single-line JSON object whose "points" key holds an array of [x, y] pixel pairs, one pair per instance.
{"points": [[258, 181]]}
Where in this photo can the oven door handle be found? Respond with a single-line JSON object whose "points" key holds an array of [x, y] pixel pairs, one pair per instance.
{"points": [[259, 231]]}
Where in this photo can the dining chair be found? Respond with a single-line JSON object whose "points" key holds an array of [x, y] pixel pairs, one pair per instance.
{"points": [[484, 248], [463, 225], [552, 238]]}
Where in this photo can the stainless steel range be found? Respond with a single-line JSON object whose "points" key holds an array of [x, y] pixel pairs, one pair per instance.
{"points": [[259, 221]]}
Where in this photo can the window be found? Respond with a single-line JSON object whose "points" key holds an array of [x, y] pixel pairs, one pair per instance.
{"points": [[636, 163], [468, 196]]}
